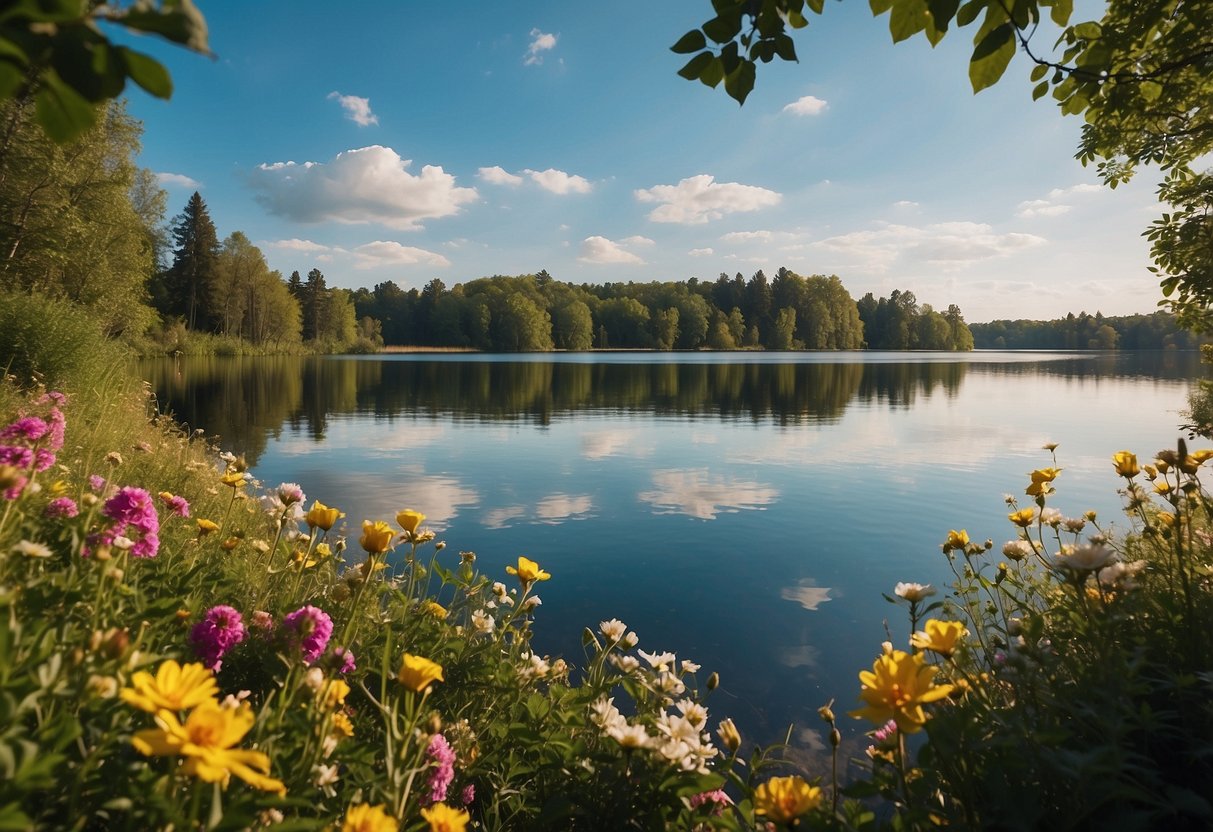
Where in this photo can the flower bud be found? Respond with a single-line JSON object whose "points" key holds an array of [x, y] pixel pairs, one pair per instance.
{"points": [[728, 733], [713, 681]]}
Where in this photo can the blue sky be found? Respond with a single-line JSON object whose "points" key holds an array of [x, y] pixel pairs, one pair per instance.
{"points": [[392, 140]]}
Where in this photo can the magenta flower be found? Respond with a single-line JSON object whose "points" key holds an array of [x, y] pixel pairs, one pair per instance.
{"points": [[467, 795], [219, 631], [96, 482], [29, 428], [308, 629], [62, 507], [441, 756], [16, 456], [134, 516], [341, 659], [177, 504], [716, 798]]}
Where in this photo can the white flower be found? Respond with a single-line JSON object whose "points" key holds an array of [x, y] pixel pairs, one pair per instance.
{"points": [[539, 667], [122, 543], [499, 588], [670, 684], [626, 664], [31, 549], [1121, 573], [913, 592], [679, 728], [689, 666], [629, 736], [1017, 549], [631, 640], [613, 629], [1074, 524], [531, 602], [658, 661], [1085, 558], [483, 622], [290, 492], [323, 775], [1050, 517], [314, 678], [606, 715], [695, 713]]}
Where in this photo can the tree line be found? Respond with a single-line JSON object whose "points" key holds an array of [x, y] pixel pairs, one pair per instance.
{"points": [[1156, 331]]}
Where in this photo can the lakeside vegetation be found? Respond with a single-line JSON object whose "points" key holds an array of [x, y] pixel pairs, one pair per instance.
{"points": [[1157, 331]]}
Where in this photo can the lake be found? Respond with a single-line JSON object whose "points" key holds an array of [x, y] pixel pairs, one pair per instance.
{"points": [[743, 510]]}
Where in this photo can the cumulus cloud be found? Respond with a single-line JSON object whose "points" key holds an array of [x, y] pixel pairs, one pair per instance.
{"points": [[497, 175], [809, 105], [295, 244], [701, 198], [390, 253], [948, 245], [637, 240], [177, 180], [540, 42], [357, 110], [1056, 203], [747, 236], [367, 185], [559, 182], [601, 250], [701, 252], [696, 493]]}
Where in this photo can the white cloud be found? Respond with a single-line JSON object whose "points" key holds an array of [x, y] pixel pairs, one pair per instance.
{"points": [[809, 105], [905, 203], [390, 253], [696, 493], [357, 109], [367, 185], [177, 180], [700, 198], [701, 252], [295, 244], [497, 175], [540, 42], [501, 518], [1056, 203], [948, 245], [559, 182], [601, 250], [747, 236], [637, 240]]}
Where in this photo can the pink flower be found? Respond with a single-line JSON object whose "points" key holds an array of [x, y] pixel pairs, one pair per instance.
{"points": [[341, 659], [134, 516], [467, 795], [308, 629], [62, 507], [716, 798], [219, 631], [16, 456], [29, 428], [96, 482], [441, 756]]}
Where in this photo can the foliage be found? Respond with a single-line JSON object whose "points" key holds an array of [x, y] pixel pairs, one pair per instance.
{"points": [[1156, 331], [1138, 76], [51, 339], [55, 55]]}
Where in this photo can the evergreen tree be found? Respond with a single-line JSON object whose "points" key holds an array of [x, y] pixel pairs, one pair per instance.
{"points": [[190, 278]]}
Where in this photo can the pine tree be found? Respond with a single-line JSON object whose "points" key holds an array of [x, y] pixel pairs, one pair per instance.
{"points": [[190, 278]]}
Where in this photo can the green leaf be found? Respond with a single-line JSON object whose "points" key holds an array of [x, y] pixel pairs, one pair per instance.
{"points": [[797, 21], [178, 21], [695, 67], [692, 41], [722, 29], [1087, 31], [1061, 11], [740, 82], [942, 11], [1039, 71], [991, 56], [1150, 90], [967, 13], [147, 72], [909, 17], [818, 6], [785, 48], [1040, 90], [63, 113], [713, 73], [879, 7]]}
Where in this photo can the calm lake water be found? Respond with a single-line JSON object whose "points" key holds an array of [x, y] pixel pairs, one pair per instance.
{"points": [[745, 511]]}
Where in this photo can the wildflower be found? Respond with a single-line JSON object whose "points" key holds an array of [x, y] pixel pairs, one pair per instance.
{"points": [[433, 608], [31, 549], [364, 818], [527, 571], [1085, 558], [30, 429], [290, 493], [443, 818], [439, 755], [605, 715], [913, 592], [320, 516], [175, 687], [1120, 574], [939, 636], [220, 629], [483, 622], [233, 479], [62, 507], [468, 794], [262, 620], [134, 516], [1074, 525], [417, 673], [531, 602], [784, 799], [716, 798], [886, 734], [1050, 517], [729, 735], [1041, 479], [626, 664], [342, 660], [689, 666], [324, 775], [308, 629], [335, 694], [1125, 464], [205, 526], [341, 725], [1162, 487], [1023, 518], [631, 640], [629, 736], [896, 688], [376, 537], [1017, 549], [409, 520], [692, 711], [956, 540], [658, 661], [176, 504], [613, 629]]}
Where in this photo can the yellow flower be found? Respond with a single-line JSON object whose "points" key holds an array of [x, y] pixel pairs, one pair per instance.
{"points": [[1041, 479], [729, 735], [938, 636], [173, 688], [1162, 486], [376, 537], [335, 693], [896, 688], [205, 740], [1163, 465], [410, 520], [1023, 517], [1202, 456], [364, 818], [527, 571], [1126, 465], [416, 673], [323, 550], [1166, 518], [320, 516], [956, 540], [784, 799], [205, 526], [443, 818], [233, 479], [342, 727], [432, 607]]}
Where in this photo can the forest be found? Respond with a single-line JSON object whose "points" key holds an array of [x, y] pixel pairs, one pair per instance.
{"points": [[1156, 331]]}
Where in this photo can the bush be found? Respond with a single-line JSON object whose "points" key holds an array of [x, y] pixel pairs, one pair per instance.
{"points": [[52, 340]]}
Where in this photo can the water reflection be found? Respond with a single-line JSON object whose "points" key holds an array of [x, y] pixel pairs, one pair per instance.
{"points": [[703, 495]]}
